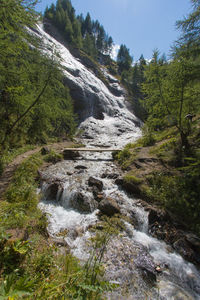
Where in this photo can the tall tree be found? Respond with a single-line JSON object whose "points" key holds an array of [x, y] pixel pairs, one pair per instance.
{"points": [[189, 42], [171, 94], [27, 83], [124, 59]]}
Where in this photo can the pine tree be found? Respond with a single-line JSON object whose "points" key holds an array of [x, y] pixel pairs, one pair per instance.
{"points": [[124, 59]]}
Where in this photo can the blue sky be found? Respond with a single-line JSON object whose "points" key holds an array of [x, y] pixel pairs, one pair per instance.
{"points": [[142, 25]]}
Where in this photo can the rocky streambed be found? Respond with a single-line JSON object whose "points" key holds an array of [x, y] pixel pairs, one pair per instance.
{"points": [[77, 189]]}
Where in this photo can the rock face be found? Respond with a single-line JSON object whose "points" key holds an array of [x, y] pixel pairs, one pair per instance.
{"points": [[109, 207], [95, 92]]}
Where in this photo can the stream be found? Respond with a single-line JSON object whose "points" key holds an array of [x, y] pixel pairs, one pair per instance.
{"points": [[131, 259], [142, 266]]}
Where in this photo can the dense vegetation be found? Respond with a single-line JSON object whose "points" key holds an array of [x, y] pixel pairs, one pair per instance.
{"points": [[169, 92], [35, 104], [78, 31]]}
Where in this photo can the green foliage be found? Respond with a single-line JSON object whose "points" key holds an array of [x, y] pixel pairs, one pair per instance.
{"points": [[124, 59], [29, 83], [15, 288], [188, 44], [123, 155], [132, 78], [53, 157], [78, 31], [179, 194], [12, 253], [171, 94], [164, 149], [132, 179]]}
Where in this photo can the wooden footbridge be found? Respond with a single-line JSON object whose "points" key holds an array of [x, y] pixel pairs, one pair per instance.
{"points": [[91, 149]]}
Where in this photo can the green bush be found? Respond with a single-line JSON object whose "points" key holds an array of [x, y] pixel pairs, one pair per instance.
{"points": [[53, 157], [180, 195], [132, 179]]}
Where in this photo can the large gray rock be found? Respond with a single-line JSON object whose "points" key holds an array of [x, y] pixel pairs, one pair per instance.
{"points": [[129, 187], [95, 183], [82, 203], [109, 207], [70, 154]]}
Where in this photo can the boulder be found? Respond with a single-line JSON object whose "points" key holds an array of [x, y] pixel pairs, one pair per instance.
{"points": [[144, 262], [109, 207], [157, 215], [95, 183], [80, 167], [70, 154], [193, 240], [82, 203], [182, 247], [97, 195], [129, 187]]}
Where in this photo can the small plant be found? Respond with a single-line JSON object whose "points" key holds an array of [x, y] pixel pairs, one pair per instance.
{"points": [[132, 179], [53, 157]]}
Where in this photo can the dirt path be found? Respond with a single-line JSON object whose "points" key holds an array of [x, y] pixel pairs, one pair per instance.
{"points": [[7, 175]]}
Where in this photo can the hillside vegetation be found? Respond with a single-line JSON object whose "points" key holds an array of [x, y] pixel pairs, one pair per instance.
{"points": [[165, 163]]}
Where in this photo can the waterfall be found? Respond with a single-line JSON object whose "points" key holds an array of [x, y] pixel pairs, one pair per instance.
{"points": [[134, 254]]}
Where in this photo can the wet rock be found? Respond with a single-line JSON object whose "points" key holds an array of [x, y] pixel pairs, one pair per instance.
{"points": [[80, 167], [81, 203], [87, 136], [95, 182], [119, 181], [157, 215], [53, 189], [193, 240], [129, 187], [145, 263], [97, 195], [70, 154], [69, 173], [45, 150], [163, 227], [109, 207], [110, 176], [184, 248]]}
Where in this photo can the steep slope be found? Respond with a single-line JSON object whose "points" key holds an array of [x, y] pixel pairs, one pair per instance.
{"points": [[94, 101]]}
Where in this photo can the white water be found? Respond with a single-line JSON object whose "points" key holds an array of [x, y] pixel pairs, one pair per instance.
{"points": [[179, 279]]}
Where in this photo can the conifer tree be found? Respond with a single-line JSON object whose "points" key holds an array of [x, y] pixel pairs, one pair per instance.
{"points": [[124, 59]]}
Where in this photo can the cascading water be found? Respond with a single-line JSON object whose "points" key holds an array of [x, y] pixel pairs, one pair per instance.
{"points": [[131, 258]]}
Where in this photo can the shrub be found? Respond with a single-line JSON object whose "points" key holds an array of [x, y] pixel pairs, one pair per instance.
{"points": [[132, 179]]}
